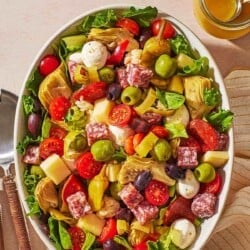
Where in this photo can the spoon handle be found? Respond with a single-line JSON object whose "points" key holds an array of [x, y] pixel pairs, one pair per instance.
{"points": [[16, 213]]}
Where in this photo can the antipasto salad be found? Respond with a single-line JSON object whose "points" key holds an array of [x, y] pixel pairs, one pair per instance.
{"points": [[125, 135]]}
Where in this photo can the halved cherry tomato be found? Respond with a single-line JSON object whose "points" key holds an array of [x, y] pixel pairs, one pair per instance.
{"points": [[48, 64], [120, 115], [72, 185], [59, 107], [77, 236], [51, 146], [57, 132], [91, 92], [87, 166], [129, 24], [169, 30], [214, 186], [109, 231], [160, 131], [118, 53], [157, 193]]}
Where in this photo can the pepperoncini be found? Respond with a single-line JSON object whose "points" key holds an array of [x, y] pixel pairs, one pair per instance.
{"points": [[96, 189]]}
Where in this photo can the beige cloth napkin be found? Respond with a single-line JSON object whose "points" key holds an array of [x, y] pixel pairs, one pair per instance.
{"points": [[232, 231]]}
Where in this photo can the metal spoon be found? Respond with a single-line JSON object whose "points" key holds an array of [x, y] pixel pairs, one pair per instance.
{"points": [[7, 114], [239, 4]]}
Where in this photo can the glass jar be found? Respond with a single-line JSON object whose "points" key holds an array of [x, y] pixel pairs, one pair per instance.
{"points": [[208, 12]]}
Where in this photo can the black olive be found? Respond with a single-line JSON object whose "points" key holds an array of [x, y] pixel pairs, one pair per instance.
{"points": [[174, 171], [111, 245], [145, 35], [124, 214], [114, 91], [139, 125], [34, 123], [142, 180]]}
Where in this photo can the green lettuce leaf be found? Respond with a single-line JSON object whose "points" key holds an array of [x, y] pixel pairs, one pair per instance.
{"points": [[64, 236], [102, 19], [27, 140], [170, 100], [221, 120], [33, 205], [179, 44], [53, 233], [199, 67], [212, 96], [34, 81], [89, 241], [122, 241], [142, 16], [176, 130]]}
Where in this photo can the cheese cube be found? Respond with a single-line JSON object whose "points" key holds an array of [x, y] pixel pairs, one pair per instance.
{"points": [[55, 168]]}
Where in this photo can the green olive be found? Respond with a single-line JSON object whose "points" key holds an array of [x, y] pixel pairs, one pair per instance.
{"points": [[204, 172], [36, 170], [102, 150], [131, 95], [161, 150], [107, 74], [165, 66]]}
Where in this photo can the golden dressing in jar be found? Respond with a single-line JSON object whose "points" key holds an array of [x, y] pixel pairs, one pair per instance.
{"points": [[213, 15]]}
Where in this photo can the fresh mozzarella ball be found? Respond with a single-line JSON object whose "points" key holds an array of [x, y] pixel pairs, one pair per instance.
{"points": [[94, 53], [189, 186], [182, 233], [76, 57], [120, 134]]}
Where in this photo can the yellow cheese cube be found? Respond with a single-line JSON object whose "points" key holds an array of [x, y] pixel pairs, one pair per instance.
{"points": [[55, 168]]}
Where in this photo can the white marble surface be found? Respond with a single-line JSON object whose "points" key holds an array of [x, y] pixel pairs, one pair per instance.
{"points": [[26, 25]]}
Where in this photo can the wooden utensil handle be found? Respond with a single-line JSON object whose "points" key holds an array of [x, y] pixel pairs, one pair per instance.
{"points": [[16, 213]]}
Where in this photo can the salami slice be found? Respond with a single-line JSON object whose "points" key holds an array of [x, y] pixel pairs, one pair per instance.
{"points": [[203, 205], [205, 134]]}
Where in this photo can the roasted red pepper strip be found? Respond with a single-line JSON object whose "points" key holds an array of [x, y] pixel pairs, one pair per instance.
{"points": [[118, 53]]}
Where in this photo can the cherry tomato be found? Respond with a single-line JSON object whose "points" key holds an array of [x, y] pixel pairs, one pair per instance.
{"points": [[57, 132], [128, 145], [120, 115], [160, 131], [205, 134], [48, 64], [51, 146], [91, 92], [129, 24], [87, 166], [137, 139], [168, 32], [157, 193], [72, 185], [109, 230], [58, 108], [118, 53], [213, 187], [77, 236]]}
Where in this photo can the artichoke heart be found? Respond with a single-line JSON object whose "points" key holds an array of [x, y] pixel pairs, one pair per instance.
{"points": [[46, 194], [194, 87], [134, 165], [113, 36], [54, 85]]}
